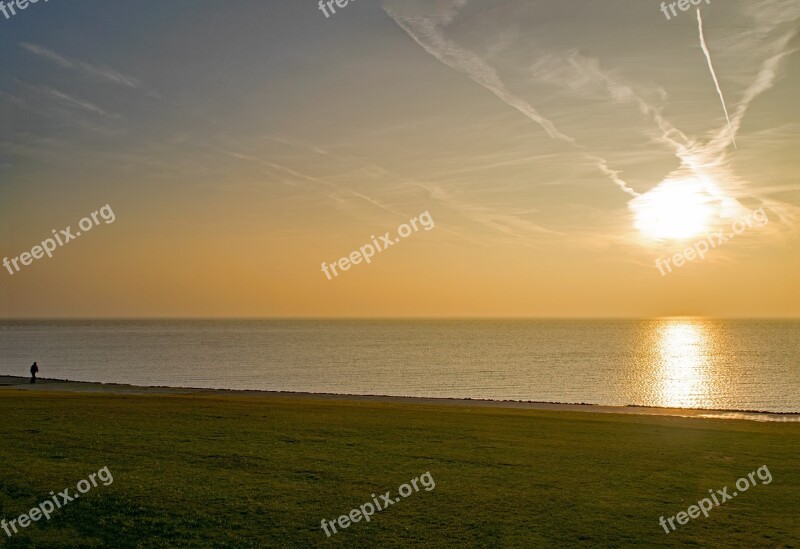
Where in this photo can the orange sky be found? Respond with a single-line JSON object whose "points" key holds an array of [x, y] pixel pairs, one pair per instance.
{"points": [[242, 149]]}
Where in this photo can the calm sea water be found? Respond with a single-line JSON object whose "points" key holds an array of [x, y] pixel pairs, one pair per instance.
{"points": [[752, 365]]}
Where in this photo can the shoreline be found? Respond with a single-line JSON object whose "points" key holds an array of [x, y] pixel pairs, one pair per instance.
{"points": [[59, 385]]}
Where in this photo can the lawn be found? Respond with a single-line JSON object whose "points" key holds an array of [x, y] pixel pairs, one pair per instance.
{"points": [[244, 471]]}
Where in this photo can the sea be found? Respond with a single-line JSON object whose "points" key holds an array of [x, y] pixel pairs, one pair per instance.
{"points": [[749, 365]]}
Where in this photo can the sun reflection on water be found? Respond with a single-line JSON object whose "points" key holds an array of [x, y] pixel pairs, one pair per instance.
{"points": [[683, 363]]}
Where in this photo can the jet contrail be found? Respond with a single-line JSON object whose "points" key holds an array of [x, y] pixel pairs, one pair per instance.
{"points": [[714, 75], [427, 33]]}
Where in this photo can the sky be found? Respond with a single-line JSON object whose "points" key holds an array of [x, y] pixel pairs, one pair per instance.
{"points": [[562, 149]]}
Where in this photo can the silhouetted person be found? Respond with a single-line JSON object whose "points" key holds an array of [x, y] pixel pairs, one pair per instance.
{"points": [[34, 371]]}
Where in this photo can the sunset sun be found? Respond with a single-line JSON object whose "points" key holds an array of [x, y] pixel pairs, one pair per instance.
{"points": [[674, 210]]}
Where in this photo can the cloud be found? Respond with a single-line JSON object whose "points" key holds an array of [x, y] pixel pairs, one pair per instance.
{"points": [[427, 32], [338, 190], [97, 72], [73, 102], [503, 222], [707, 53], [585, 76], [445, 29]]}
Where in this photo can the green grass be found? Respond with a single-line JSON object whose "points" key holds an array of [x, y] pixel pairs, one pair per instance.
{"points": [[219, 471]]}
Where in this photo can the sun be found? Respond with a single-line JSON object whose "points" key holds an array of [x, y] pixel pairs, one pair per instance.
{"points": [[673, 210]]}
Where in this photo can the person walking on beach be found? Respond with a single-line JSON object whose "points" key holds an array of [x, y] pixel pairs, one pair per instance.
{"points": [[34, 371]]}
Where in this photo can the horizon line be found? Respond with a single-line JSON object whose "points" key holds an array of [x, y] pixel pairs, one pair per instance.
{"points": [[285, 318]]}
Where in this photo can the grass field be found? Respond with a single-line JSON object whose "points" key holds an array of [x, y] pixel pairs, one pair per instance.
{"points": [[237, 471]]}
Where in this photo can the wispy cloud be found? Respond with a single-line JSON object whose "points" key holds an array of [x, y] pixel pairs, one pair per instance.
{"points": [[95, 71], [73, 102], [509, 224], [585, 76], [295, 174], [707, 53], [427, 31], [766, 42], [48, 102]]}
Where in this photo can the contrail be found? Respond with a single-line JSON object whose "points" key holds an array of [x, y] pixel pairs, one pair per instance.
{"points": [[714, 75], [427, 33]]}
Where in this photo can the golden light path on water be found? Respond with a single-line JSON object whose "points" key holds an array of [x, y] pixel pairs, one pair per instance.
{"points": [[683, 364]]}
